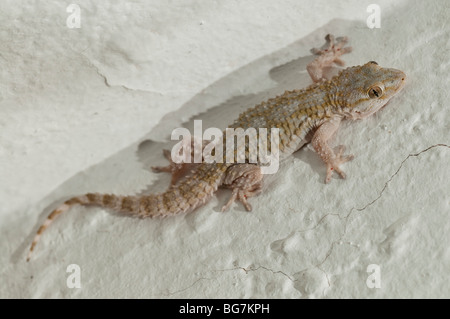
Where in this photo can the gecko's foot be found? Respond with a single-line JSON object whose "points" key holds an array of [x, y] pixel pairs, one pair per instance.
{"points": [[172, 167], [333, 47], [177, 170], [333, 165], [328, 55], [246, 181], [242, 196], [169, 168]]}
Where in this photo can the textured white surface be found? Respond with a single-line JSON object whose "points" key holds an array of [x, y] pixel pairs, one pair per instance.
{"points": [[91, 109]]}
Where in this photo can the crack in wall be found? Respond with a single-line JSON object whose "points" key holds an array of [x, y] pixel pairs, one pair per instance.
{"points": [[353, 209], [168, 294], [251, 269], [396, 172], [333, 244], [246, 270], [270, 270]]}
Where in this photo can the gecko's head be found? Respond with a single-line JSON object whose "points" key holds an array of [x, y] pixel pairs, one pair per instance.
{"points": [[366, 89]]}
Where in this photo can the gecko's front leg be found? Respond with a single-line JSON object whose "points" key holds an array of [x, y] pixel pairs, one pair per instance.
{"points": [[320, 144], [327, 56]]}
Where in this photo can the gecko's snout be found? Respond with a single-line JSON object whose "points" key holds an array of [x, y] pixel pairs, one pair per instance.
{"points": [[403, 75], [399, 79]]}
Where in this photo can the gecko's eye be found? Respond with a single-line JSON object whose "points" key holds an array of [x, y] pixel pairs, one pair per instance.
{"points": [[375, 92]]}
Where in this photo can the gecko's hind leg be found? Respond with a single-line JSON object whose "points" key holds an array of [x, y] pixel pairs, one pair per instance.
{"points": [[328, 55], [245, 180], [178, 170]]}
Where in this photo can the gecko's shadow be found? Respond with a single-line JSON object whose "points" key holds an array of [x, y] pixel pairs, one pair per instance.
{"points": [[269, 76]]}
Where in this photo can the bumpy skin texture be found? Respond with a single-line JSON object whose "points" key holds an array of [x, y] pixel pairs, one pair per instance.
{"points": [[311, 115]]}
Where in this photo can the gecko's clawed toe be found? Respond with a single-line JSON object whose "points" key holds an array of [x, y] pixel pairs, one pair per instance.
{"points": [[341, 41], [331, 169], [330, 40], [316, 51], [230, 201], [241, 195], [340, 158], [243, 200], [333, 165], [168, 168], [159, 169]]}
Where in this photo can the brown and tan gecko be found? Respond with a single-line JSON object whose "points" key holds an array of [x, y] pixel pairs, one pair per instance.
{"points": [[311, 115]]}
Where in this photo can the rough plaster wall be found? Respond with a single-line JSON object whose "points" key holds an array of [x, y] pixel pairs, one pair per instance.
{"points": [[91, 109]]}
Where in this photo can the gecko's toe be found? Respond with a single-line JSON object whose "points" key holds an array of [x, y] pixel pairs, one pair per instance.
{"points": [[159, 169], [346, 50], [339, 62], [334, 166], [168, 168], [242, 196], [348, 158], [316, 51], [243, 199], [230, 201], [330, 174], [341, 41], [225, 207], [167, 154], [339, 155], [328, 177], [330, 40], [339, 150], [341, 173]]}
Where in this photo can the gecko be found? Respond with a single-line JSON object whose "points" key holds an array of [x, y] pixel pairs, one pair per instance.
{"points": [[309, 115]]}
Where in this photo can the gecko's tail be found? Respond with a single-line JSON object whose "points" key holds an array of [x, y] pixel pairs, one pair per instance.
{"points": [[181, 198], [109, 201]]}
